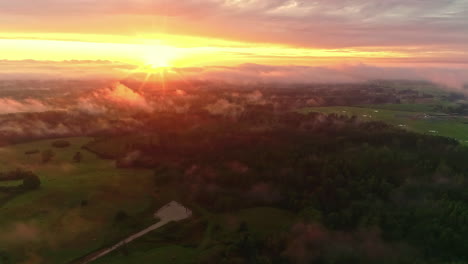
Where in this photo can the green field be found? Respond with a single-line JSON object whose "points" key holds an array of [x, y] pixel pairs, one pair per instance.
{"points": [[10, 183], [195, 239], [165, 254], [52, 225], [425, 108], [116, 147], [73, 211], [415, 120], [278, 220]]}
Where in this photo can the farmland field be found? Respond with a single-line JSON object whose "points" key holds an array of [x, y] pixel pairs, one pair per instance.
{"points": [[410, 117], [73, 211]]}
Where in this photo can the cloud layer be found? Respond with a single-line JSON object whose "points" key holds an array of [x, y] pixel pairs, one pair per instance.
{"points": [[318, 23], [8, 105], [452, 76]]}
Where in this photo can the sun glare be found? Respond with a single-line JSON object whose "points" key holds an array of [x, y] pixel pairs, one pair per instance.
{"points": [[159, 57], [157, 62]]}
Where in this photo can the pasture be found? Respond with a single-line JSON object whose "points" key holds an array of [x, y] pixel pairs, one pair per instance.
{"points": [[73, 212], [411, 118]]}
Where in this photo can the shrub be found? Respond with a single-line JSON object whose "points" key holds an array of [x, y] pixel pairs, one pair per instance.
{"points": [[31, 152], [47, 155], [61, 144], [30, 181], [78, 157], [120, 216]]}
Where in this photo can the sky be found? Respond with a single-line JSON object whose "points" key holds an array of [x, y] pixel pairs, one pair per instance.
{"points": [[207, 33]]}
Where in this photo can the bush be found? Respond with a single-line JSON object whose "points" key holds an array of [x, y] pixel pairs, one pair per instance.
{"points": [[78, 157], [120, 216], [47, 155], [31, 181], [61, 144], [31, 152], [4, 258]]}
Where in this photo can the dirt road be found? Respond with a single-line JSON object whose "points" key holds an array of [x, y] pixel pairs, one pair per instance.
{"points": [[172, 211]]}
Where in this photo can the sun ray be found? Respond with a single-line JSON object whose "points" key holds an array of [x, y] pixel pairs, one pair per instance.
{"points": [[147, 76], [163, 80], [183, 78]]}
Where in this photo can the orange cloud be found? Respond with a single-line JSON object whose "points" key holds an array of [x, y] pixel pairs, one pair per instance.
{"points": [[8, 105]]}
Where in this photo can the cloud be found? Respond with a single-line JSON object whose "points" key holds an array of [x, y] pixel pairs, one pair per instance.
{"points": [[225, 108], [453, 77], [255, 97], [128, 160], [440, 24], [90, 106], [310, 242], [125, 97], [115, 98], [20, 233], [8, 105], [74, 69], [30, 238], [45, 125]]}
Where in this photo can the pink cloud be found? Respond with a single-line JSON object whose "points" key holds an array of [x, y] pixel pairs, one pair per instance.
{"points": [[437, 24], [8, 105]]}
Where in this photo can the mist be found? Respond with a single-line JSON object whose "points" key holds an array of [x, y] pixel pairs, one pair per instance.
{"points": [[449, 75]]}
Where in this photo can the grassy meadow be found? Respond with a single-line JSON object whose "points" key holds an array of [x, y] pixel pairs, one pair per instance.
{"points": [[414, 117], [73, 211], [197, 240]]}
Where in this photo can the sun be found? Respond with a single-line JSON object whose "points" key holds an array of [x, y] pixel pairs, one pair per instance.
{"points": [[159, 58], [157, 62]]}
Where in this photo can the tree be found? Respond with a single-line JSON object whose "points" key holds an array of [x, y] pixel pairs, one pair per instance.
{"points": [[243, 227], [47, 155], [61, 144], [4, 258], [78, 157], [30, 181], [120, 216], [311, 214]]}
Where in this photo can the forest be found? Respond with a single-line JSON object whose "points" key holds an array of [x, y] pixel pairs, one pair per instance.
{"points": [[366, 191], [369, 173]]}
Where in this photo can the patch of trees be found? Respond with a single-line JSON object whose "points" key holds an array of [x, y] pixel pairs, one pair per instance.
{"points": [[455, 97], [4, 257], [78, 157], [120, 216], [459, 109], [31, 152], [61, 144], [47, 156], [29, 181]]}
